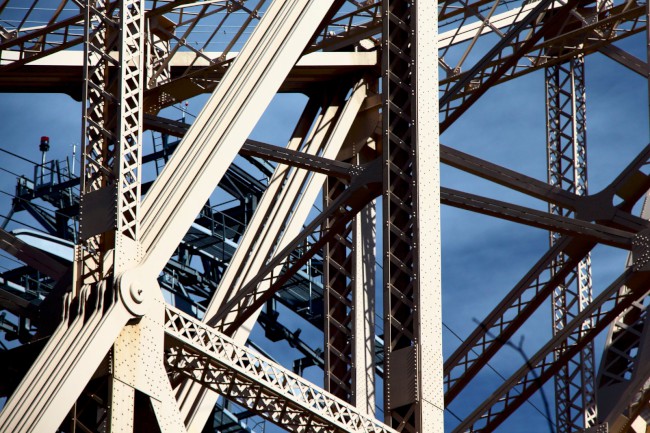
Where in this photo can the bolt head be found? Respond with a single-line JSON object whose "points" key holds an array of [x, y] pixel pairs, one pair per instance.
{"points": [[134, 292]]}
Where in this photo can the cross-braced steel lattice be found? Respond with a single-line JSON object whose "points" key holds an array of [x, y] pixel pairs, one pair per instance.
{"points": [[575, 393]]}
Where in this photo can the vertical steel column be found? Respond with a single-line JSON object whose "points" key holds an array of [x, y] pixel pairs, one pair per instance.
{"points": [[412, 309], [131, 83], [337, 296], [111, 130], [567, 169], [363, 309], [98, 138], [110, 189], [349, 277]]}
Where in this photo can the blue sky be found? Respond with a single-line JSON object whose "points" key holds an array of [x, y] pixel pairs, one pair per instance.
{"points": [[482, 257]]}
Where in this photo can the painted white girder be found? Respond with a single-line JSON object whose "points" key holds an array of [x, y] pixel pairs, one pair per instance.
{"points": [[184, 59]]}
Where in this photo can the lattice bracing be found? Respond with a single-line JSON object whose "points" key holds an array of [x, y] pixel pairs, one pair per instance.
{"points": [[338, 305], [575, 394], [130, 121], [98, 129], [257, 383]]}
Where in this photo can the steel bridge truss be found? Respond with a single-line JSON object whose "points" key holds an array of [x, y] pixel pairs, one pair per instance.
{"points": [[110, 354]]}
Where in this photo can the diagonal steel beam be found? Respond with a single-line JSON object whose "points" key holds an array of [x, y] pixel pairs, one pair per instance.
{"points": [[97, 330], [585, 206], [506, 177], [251, 297], [269, 152], [282, 211], [544, 364], [32, 256], [178, 194], [212, 359], [520, 39], [622, 21], [90, 325], [626, 59]]}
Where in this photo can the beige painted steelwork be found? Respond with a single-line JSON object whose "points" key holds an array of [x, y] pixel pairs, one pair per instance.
{"points": [[412, 278], [282, 211], [276, 394], [139, 360]]}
